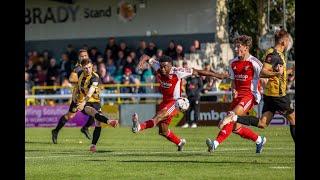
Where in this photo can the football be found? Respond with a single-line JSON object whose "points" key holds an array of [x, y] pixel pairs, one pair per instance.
{"points": [[182, 104]]}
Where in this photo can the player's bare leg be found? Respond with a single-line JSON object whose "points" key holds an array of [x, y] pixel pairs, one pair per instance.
{"points": [[236, 128], [292, 120], [85, 128], [167, 133], [136, 126], [100, 117], [96, 136], [61, 123]]}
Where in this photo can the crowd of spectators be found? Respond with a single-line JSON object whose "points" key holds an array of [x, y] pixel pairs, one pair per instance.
{"points": [[117, 63]]}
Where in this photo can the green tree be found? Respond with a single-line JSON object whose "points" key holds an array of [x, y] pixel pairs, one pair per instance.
{"points": [[245, 18]]}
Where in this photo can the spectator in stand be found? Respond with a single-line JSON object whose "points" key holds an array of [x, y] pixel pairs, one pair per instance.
{"points": [[159, 53], [171, 50], [142, 49], [128, 78], [46, 59], [208, 83], [66, 89], [28, 56], [151, 49], [111, 68], [72, 55], [113, 47], [34, 58], [85, 47], [65, 66], [134, 57], [196, 44], [179, 53], [100, 59], [95, 67], [105, 77], [123, 47], [130, 65], [93, 54], [66, 86], [192, 49], [147, 76], [31, 68], [52, 73], [291, 82], [107, 55], [121, 61], [28, 84], [193, 88], [40, 76]]}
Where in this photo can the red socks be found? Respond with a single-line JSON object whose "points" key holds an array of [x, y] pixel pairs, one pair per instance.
{"points": [[172, 137], [225, 132], [244, 132], [147, 124], [247, 133]]}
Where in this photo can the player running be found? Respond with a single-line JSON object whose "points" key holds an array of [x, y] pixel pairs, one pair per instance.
{"points": [[275, 97], [244, 72], [170, 87], [87, 100]]}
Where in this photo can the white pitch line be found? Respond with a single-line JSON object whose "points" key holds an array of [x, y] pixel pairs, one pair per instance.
{"points": [[156, 152], [280, 167]]}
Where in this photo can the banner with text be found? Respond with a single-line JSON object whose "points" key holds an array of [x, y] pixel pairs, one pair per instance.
{"points": [[48, 116]]}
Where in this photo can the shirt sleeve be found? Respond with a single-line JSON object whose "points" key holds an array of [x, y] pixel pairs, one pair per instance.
{"points": [[257, 67], [272, 58], [231, 73], [154, 64], [95, 81], [182, 72]]}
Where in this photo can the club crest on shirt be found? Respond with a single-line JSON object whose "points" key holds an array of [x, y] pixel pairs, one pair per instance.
{"points": [[246, 68], [166, 85]]}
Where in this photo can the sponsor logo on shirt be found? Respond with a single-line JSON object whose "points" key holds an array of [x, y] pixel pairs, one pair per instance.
{"points": [[241, 77]]}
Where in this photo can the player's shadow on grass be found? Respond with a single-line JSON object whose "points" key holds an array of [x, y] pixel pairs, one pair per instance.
{"points": [[199, 162], [96, 160], [35, 150], [37, 142], [103, 151]]}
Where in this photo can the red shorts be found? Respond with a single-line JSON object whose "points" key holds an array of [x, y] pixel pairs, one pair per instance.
{"points": [[247, 102], [170, 107]]}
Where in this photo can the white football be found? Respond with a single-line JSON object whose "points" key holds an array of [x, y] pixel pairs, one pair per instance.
{"points": [[182, 104]]}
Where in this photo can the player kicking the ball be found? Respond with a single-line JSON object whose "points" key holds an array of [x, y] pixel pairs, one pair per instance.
{"points": [[244, 72], [87, 100], [169, 78]]}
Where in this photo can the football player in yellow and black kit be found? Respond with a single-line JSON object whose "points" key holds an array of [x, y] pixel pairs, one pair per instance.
{"points": [[83, 54], [275, 97], [85, 98]]}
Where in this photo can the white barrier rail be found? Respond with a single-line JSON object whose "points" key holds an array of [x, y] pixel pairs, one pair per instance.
{"points": [[126, 95], [42, 97]]}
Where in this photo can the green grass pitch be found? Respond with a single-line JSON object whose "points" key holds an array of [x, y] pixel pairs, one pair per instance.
{"points": [[146, 155]]}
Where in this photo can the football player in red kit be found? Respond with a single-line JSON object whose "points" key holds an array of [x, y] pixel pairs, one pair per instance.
{"points": [[244, 71], [169, 78]]}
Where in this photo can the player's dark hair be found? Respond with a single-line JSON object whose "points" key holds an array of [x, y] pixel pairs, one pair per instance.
{"points": [[85, 62], [279, 35], [244, 40], [82, 50], [165, 59]]}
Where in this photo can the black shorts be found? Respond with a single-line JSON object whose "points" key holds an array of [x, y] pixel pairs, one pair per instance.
{"points": [[95, 105], [280, 104]]}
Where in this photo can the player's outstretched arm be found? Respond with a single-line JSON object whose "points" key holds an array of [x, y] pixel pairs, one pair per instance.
{"points": [[147, 59], [211, 74]]}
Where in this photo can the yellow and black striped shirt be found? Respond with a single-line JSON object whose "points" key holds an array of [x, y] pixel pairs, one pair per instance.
{"points": [[276, 86], [83, 86]]}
